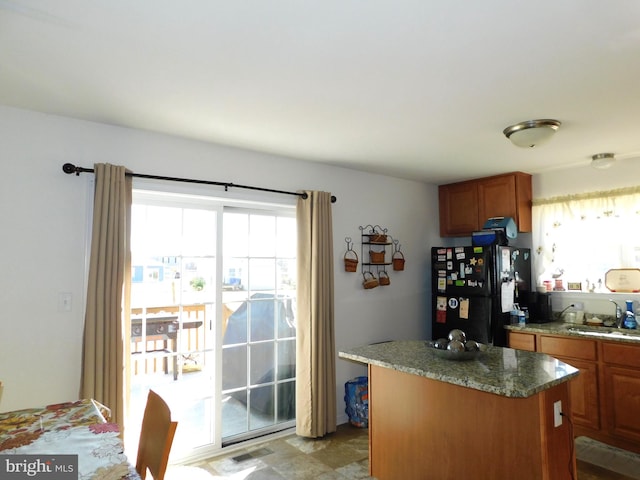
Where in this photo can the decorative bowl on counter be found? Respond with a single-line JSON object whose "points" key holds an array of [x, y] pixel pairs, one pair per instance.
{"points": [[457, 355]]}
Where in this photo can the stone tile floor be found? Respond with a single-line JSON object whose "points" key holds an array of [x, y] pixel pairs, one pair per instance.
{"points": [[605, 462], [338, 456]]}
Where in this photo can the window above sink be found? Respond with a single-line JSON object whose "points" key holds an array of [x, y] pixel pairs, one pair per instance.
{"points": [[577, 239]]}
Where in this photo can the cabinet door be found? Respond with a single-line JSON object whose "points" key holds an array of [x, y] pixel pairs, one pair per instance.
{"points": [[622, 398], [522, 341], [458, 209], [506, 196], [497, 197], [568, 347], [622, 354], [583, 392]]}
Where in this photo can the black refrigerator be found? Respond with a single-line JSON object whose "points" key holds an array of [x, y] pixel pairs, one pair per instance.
{"points": [[474, 289]]}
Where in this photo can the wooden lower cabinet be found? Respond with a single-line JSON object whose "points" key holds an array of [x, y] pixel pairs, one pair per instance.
{"points": [[605, 397], [568, 347], [622, 403], [424, 428], [621, 374], [522, 341], [583, 393]]}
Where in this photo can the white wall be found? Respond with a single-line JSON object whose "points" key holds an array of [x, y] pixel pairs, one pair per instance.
{"points": [[44, 225], [584, 178]]}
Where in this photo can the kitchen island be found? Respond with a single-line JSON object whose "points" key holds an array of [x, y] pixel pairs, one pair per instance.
{"points": [[491, 417]]}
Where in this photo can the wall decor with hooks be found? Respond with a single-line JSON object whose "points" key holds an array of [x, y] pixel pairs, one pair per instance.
{"points": [[375, 242], [397, 258], [350, 257]]}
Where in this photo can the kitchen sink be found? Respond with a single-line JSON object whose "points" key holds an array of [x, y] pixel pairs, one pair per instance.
{"points": [[605, 332]]}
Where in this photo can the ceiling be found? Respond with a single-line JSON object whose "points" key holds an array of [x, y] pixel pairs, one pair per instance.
{"points": [[418, 89]]}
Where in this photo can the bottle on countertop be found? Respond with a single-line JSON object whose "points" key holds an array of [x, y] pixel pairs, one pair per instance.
{"points": [[629, 319], [514, 320]]}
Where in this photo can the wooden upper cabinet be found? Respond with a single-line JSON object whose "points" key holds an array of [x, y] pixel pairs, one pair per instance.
{"points": [[458, 208], [466, 206]]}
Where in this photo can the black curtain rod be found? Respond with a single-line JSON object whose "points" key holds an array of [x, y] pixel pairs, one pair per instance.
{"points": [[69, 168]]}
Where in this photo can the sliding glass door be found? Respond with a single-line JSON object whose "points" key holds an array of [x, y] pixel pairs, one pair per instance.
{"points": [[213, 327], [258, 352]]}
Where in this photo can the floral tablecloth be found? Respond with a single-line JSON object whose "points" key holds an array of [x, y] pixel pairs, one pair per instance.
{"points": [[69, 428]]}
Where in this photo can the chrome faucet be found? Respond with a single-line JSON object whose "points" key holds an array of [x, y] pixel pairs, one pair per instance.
{"points": [[618, 314]]}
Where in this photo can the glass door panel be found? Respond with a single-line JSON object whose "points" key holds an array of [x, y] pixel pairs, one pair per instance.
{"points": [[173, 300], [258, 370]]}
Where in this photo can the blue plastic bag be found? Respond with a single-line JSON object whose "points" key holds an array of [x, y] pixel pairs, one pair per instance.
{"points": [[356, 397]]}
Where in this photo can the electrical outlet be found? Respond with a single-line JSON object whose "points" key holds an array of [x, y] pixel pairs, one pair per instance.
{"points": [[557, 413]]}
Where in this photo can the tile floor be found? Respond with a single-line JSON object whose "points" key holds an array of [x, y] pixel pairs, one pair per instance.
{"points": [[339, 456]]}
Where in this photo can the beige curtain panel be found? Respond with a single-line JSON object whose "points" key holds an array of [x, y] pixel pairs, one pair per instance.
{"points": [[315, 336], [106, 326]]}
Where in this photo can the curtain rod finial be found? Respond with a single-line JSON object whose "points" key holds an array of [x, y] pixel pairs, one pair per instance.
{"points": [[70, 168], [305, 195]]}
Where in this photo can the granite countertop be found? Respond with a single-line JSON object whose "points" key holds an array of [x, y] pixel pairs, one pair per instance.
{"points": [[503, 371], [583, 331]]}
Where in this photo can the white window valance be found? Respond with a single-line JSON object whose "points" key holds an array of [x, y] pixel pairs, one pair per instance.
{"points": [[583, 236]]}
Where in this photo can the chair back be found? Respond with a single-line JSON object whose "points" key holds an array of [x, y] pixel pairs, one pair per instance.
{"points": [[156, 437]]}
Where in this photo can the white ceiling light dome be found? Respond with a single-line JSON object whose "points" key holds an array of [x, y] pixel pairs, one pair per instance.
{"points": [[602, 160], [531, 133]]}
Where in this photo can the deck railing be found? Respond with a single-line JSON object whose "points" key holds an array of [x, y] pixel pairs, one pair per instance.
{"points": [[165, 353]]}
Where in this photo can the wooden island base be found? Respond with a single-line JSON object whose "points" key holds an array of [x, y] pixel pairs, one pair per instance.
{"points": [[420, 428]]}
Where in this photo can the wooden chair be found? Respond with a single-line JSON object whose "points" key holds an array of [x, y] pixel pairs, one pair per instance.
{"points": [[156, 437]]}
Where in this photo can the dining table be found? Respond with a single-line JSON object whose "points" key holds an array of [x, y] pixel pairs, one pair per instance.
{"points": [[78, 429]]}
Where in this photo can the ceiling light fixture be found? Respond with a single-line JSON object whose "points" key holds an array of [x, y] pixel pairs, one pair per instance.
{"points": [[532, 132], [602, 160]]}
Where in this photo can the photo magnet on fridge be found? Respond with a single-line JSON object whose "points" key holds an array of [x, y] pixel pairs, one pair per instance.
{"points": [[464, 309]]}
